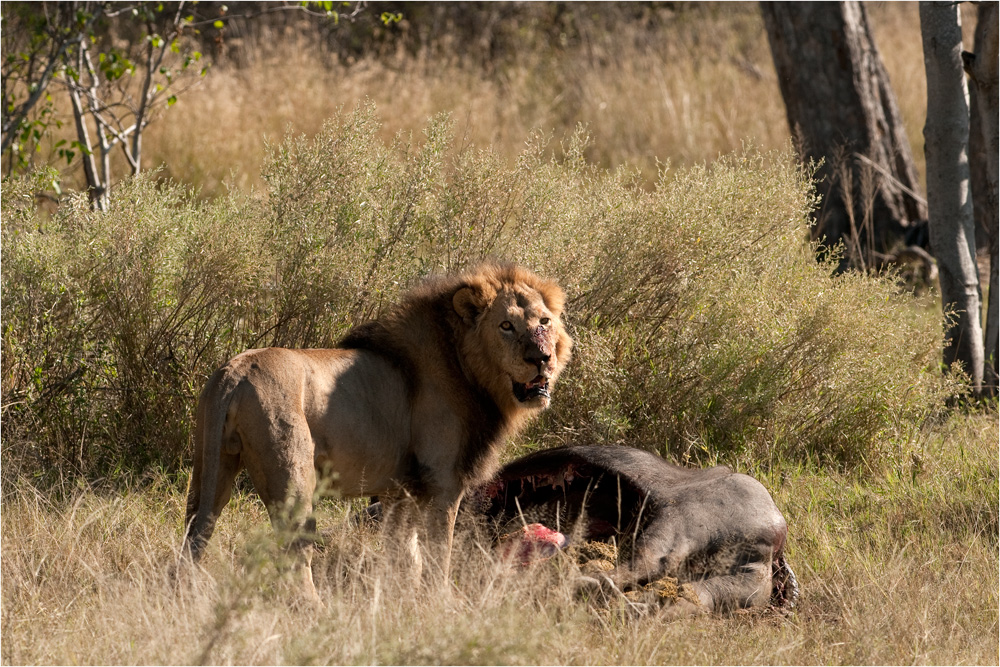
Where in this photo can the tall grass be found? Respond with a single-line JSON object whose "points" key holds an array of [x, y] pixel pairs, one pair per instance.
{"points": [[704, 324], [899, 568], [650, 82]]}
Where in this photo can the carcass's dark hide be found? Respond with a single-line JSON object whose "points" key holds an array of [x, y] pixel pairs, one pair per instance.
{"points": [[716, 530]]}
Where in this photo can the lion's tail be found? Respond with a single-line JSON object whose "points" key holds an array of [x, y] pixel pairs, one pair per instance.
{"points": [[214, 467]]}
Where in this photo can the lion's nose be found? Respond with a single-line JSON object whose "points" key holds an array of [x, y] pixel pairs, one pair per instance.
{"points": [[536, 356]]}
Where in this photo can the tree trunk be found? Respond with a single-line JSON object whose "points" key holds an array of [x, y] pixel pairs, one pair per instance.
{"points": [[984, 154], [841, 109], [952, 228], [90, 171]]}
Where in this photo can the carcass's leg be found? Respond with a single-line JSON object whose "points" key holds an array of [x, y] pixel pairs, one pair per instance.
{"points": [[746, 585], [750, 587]]}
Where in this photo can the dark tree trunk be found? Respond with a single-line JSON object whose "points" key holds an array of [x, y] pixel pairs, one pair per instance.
{"points": [[984, 154], [841, 109], [952, 228]]}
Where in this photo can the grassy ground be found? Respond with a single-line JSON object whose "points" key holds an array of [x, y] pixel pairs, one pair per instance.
{"points": [[896, 568]]}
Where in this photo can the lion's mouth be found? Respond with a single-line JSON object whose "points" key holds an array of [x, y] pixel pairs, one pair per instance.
{"points": [[537, 388]]}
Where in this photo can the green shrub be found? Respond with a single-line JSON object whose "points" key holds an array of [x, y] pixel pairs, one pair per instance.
{"points": [[705, 326], [708, 329]]}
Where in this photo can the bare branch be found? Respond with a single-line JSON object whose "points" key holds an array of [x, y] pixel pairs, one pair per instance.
{"points": [[274, 8]]}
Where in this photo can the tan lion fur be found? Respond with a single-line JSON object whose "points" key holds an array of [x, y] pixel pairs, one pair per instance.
{"points": [[412, 407]]}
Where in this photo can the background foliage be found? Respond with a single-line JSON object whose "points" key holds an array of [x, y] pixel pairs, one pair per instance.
{"points": [[705, 326]]}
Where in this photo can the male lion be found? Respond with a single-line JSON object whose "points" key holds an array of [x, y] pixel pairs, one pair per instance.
{"points": [[411, 407]]}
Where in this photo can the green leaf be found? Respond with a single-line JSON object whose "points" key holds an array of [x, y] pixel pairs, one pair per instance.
{"points": [[219, 24], [390, 17], [171, 100], [83, 149]]}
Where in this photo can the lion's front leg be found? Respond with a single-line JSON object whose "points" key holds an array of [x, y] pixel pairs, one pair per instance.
{"points": [[419, 535], [439, 535]]}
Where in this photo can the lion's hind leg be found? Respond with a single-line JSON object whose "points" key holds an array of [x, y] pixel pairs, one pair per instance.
{"points": [[285, 480]]}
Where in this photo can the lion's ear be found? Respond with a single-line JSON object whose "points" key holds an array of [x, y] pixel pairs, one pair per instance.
{"points": [[555, 299], [472, 300], [468, 303]]}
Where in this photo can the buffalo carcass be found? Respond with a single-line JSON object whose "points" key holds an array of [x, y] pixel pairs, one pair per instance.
{"points": [[715, 534]]}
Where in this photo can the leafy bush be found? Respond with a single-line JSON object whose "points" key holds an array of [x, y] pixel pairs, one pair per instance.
{"points": [[705, 327]]}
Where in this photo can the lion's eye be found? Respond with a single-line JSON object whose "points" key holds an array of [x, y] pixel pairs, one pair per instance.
{"points": [[544, 320], [506, 326]]}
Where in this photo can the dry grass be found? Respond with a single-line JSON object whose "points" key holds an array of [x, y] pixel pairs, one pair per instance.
{"points": [[900, 568], [697, 87]]}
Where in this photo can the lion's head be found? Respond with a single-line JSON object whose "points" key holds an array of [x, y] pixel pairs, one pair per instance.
{"points": [[514, 342]]}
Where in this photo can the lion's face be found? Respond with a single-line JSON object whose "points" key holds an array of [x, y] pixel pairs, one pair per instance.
{"points": [[517, 345], [524, 331]]}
